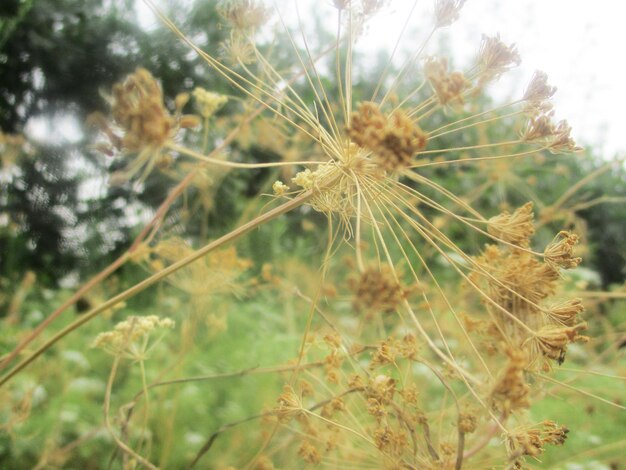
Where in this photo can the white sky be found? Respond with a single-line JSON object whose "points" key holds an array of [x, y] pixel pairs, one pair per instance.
{"points": [[579, 43]]}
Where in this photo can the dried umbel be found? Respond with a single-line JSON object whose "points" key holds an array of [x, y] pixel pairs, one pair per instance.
{"points": [[554, 137], [552, 341], [130, 337], [511, 391], [146, 126], [538, 90], [447, 12], [394, 140], [137, 107], [208, 103], [560, 253], [496, 58], [377, 289], [530, 441], [243, 15], [516, 228], [449, 86]]}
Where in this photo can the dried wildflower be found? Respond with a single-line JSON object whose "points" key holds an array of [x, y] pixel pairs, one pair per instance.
{"points": [[309, 453], [377, 290], [538, 89], [559, 253], [280, 188], [130, 337], [516, 228], [289, 405], [449, 87], [394, 140], [467, 423], [496, 58], [208, 102], [390, 441], [385, 353], [381, 388], [243, 15], [238, 49], [555, 137], [552, 340], [531, 441], [566, 312], [447, 12], [137, 106], [511, 391], [146, 126]]}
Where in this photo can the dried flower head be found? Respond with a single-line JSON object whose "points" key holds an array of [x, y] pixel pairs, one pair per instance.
{"points": [[243, 15], [447, 12], [511, 392], [394, 140], [309, 453], [137, 107], [130, 337], [496, 58], [449, 86], [566, 312], [560, 252], [538, 89], [516, 228], [552, 340], [208, 103], [377, 290]]}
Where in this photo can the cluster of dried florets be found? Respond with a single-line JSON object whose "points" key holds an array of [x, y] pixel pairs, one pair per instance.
{"points": [[530, 442], [130, 337], [520, 281], [377, 290], [449, 86], [146, 126], [393, 140]]}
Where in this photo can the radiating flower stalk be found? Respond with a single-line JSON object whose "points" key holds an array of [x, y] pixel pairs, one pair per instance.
{"points": [[370, 177]]}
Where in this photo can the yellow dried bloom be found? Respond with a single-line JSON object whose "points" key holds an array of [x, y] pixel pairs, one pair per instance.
{"points": [[552, 340], [516, 228], [448, 86], [130, 337], [467, 423], [496, 58], [289, 405], [559, 253], [309, 453], [447, 12], [137, 107], [377, 290], [566, 312], [208, 102], [511, 391], [243, 15], [538, 89], [394, 140], [530, 442], [280, 188]]}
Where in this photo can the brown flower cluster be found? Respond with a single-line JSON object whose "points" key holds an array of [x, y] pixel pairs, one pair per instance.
{"points": [[394, 140], [448, 86]]}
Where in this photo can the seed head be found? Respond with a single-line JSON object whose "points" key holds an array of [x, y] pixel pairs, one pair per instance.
{"points": [[516, 228], [208, 103], [394, 140], [566, 312], [309, 453], [447, 12], [538, 89], [560, 252], [496, 58], [448, 86]]}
